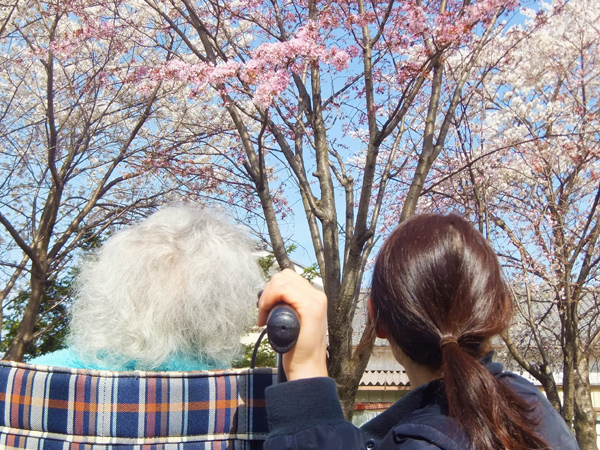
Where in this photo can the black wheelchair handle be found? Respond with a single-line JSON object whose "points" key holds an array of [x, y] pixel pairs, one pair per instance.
{"points": [[283, 328]]}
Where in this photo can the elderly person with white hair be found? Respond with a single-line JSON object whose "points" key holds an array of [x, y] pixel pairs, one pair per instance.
{"points": [[174, 292]]}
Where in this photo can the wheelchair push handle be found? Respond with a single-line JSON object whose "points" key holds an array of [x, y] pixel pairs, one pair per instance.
{"points": [[283, 328]]}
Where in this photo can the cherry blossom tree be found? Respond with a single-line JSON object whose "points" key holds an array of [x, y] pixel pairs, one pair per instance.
{"points": [[82, 150], [332, 103], [343, 105], [526, 167]]}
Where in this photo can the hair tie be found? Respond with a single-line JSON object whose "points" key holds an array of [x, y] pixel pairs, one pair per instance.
{"points": [[448, 340]]}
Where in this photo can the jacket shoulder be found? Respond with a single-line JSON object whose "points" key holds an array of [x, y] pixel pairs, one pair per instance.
{"points": [[427, 429], [551, 426]]}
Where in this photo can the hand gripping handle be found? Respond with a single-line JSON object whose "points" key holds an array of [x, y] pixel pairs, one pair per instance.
{"points": [[283, 328]]}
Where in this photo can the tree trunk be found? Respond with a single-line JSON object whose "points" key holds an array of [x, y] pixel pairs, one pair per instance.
{"points": [[360, 359], [8, 288], [346, 364], [569, 362], [585, 414], [24, 334], [339, 363], [347, 387], [551, 391], [349, 377]]}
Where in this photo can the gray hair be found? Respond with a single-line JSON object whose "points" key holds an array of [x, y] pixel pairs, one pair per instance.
{"points": [[182, 282]]}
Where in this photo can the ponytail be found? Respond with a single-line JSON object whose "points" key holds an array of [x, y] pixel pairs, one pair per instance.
{"points": [[438, 292], [490, 413]]}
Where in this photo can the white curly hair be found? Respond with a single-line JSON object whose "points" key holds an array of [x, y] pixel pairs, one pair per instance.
{"points": [[181, 283]]}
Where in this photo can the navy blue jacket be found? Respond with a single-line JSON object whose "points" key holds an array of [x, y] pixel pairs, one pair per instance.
{"points": [[306, 414]]}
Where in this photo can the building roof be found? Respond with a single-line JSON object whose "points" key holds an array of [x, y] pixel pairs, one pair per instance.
{"points": [[384, 378], [384, 370]]}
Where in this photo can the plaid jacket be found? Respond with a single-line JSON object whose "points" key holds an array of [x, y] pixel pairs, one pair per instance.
{"points": [[51, 408]]}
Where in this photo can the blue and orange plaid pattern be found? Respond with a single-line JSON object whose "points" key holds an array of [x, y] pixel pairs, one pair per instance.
{"points": [[51, 408]]}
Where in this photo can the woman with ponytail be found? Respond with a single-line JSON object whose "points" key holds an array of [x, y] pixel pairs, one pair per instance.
{"points": [[438, 296]]}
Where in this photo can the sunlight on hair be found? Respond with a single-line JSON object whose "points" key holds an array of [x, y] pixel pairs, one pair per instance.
{"points": [[183, 282]]}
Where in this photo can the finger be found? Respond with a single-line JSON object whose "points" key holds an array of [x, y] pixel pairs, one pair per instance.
{"points": [[272, 294], [284, 287]]}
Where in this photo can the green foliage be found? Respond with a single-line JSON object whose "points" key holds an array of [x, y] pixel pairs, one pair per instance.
{"points": [[92, 241], [265, 356], [266, 263], [311, 272], [52, 325]]}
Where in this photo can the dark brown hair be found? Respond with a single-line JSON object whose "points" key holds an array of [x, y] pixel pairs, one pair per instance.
{"points": [[438, 292]]}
